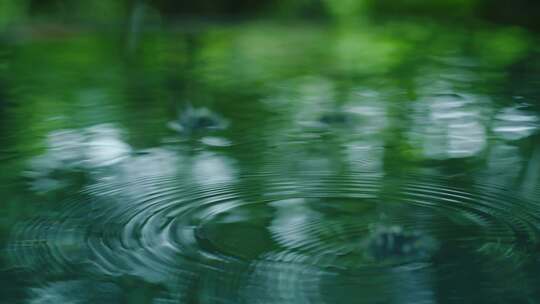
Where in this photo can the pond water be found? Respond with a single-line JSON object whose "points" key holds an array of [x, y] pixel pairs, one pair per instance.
{"points": [[270, 163]]}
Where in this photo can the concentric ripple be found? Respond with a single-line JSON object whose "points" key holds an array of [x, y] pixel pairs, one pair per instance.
{"points": [[285, 240]]}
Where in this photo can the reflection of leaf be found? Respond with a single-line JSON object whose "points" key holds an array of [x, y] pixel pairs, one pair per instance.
{"points": [[499, 251], [394, 243]]}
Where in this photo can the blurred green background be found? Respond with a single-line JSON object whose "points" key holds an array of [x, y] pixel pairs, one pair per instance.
{"points": [[518, 12]]}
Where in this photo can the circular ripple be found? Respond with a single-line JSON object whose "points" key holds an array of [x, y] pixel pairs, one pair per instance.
{"points": [[291, 236]]}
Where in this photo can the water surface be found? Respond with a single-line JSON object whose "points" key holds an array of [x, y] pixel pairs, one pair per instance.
{"points": [[267, 163]]}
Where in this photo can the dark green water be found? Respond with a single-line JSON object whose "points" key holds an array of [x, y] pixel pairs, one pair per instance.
{"points": [[270, 163]]}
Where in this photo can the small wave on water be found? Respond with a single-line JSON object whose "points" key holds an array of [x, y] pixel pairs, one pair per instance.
{"points": [[313, 213], [287, 240]]}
